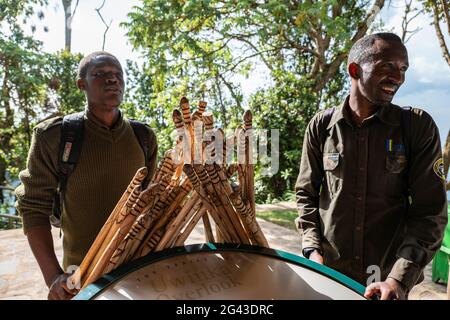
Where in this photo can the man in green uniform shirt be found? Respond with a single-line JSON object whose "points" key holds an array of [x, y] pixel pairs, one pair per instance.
{"points": [[370, 190], [110, 156]]}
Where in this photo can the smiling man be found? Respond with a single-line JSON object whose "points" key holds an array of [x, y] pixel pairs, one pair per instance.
{"points": [[370, 190], [110, 150]]}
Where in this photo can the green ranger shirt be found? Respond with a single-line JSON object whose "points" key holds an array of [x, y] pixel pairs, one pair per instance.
{"points": [[372, 198], [108, 161]]}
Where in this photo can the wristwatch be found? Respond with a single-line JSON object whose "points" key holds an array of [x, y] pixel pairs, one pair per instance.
{"points": [[307, 252]]}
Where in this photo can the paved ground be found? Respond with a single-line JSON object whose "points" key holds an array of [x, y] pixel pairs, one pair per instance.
{"points": [[20, 277]]}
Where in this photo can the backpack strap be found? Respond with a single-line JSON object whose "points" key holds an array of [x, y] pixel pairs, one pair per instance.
{"points": [[323, 127], [72, 130], [141, 132]]}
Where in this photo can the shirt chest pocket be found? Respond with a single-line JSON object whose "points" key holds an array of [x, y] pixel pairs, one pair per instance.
{"points": [[332, 166], [395, 174]]}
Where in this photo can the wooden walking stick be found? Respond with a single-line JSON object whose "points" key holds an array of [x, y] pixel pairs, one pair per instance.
{"points": [[182, 224], [158, 234], [136, 181], [166, 167], [112, 239], [242, 162], [184, 143], [211, 169], [192, 223], [223, 207], [209, 236], [232, 168], [120, 231], [249, 179], [208, 121], [142, 225], [146, 245], [165, 214], [184, 104], [202, 106], [198, 138], [174, 227], [103, 238], [131, 240], [248, 218], [228, 232], [214, 189]]}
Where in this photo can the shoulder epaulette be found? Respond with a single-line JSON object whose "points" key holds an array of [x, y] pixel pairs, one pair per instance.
{"points": [[48, 124]]}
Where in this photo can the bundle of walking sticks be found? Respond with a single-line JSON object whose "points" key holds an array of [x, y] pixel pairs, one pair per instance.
{"points": [[193, 182]]}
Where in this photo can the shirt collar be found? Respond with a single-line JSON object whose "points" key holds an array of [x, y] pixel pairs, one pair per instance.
{"points": [[386, 114], [339, 114], [96, 123]]}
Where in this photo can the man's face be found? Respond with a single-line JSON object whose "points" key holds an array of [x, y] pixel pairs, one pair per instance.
{"points": [[104, 83], [382, 76]]}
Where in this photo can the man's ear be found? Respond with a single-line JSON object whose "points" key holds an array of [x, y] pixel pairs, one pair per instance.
{"points": [[81, 84], [354, 70]]}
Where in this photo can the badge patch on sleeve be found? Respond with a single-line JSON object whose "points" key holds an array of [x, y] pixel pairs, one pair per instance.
{"points": [[438, 168]]}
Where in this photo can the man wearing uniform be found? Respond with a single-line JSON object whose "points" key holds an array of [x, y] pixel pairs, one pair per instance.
{"points": [[370, 190], [109, 158]]}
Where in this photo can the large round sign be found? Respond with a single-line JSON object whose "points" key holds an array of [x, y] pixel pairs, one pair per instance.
{"points": [[217, 271]]}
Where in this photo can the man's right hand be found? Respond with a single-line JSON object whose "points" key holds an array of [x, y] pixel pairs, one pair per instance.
{"points": [[59, 289], [316, 257]]}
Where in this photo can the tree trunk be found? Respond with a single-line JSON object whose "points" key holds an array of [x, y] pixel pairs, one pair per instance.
{"points": [[329, 70], [67, 4], [440, 36]]}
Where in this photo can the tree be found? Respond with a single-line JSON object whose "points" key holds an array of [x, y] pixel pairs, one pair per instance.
{"points": [[14, 82], [68, 17], [34, 86], [198, 47], [440, 11]]}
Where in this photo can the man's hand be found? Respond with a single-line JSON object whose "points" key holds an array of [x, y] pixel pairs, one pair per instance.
{"points": [[59, 289], [316, 257], [390, 289]]}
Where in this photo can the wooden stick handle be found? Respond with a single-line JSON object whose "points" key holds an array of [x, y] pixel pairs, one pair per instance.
{"points": [[250, 187], [220, 199], [105, 236], [120, 231], [224, 225], [202, 106], [247, 217], [187, 231], [208, 230], [175, 226], [136, 181]]}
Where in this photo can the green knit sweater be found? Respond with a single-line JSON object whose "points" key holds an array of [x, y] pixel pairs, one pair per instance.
{"points": [[108, 161]]}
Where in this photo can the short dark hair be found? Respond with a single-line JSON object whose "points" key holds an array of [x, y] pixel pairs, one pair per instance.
{"points": [[362, 50], [86, 62]]}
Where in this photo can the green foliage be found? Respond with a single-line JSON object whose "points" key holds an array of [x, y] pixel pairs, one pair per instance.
{"points": [[11, 9], [142, 104], [284, 218], [199, 48], [34, 86], [61, 75]]}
